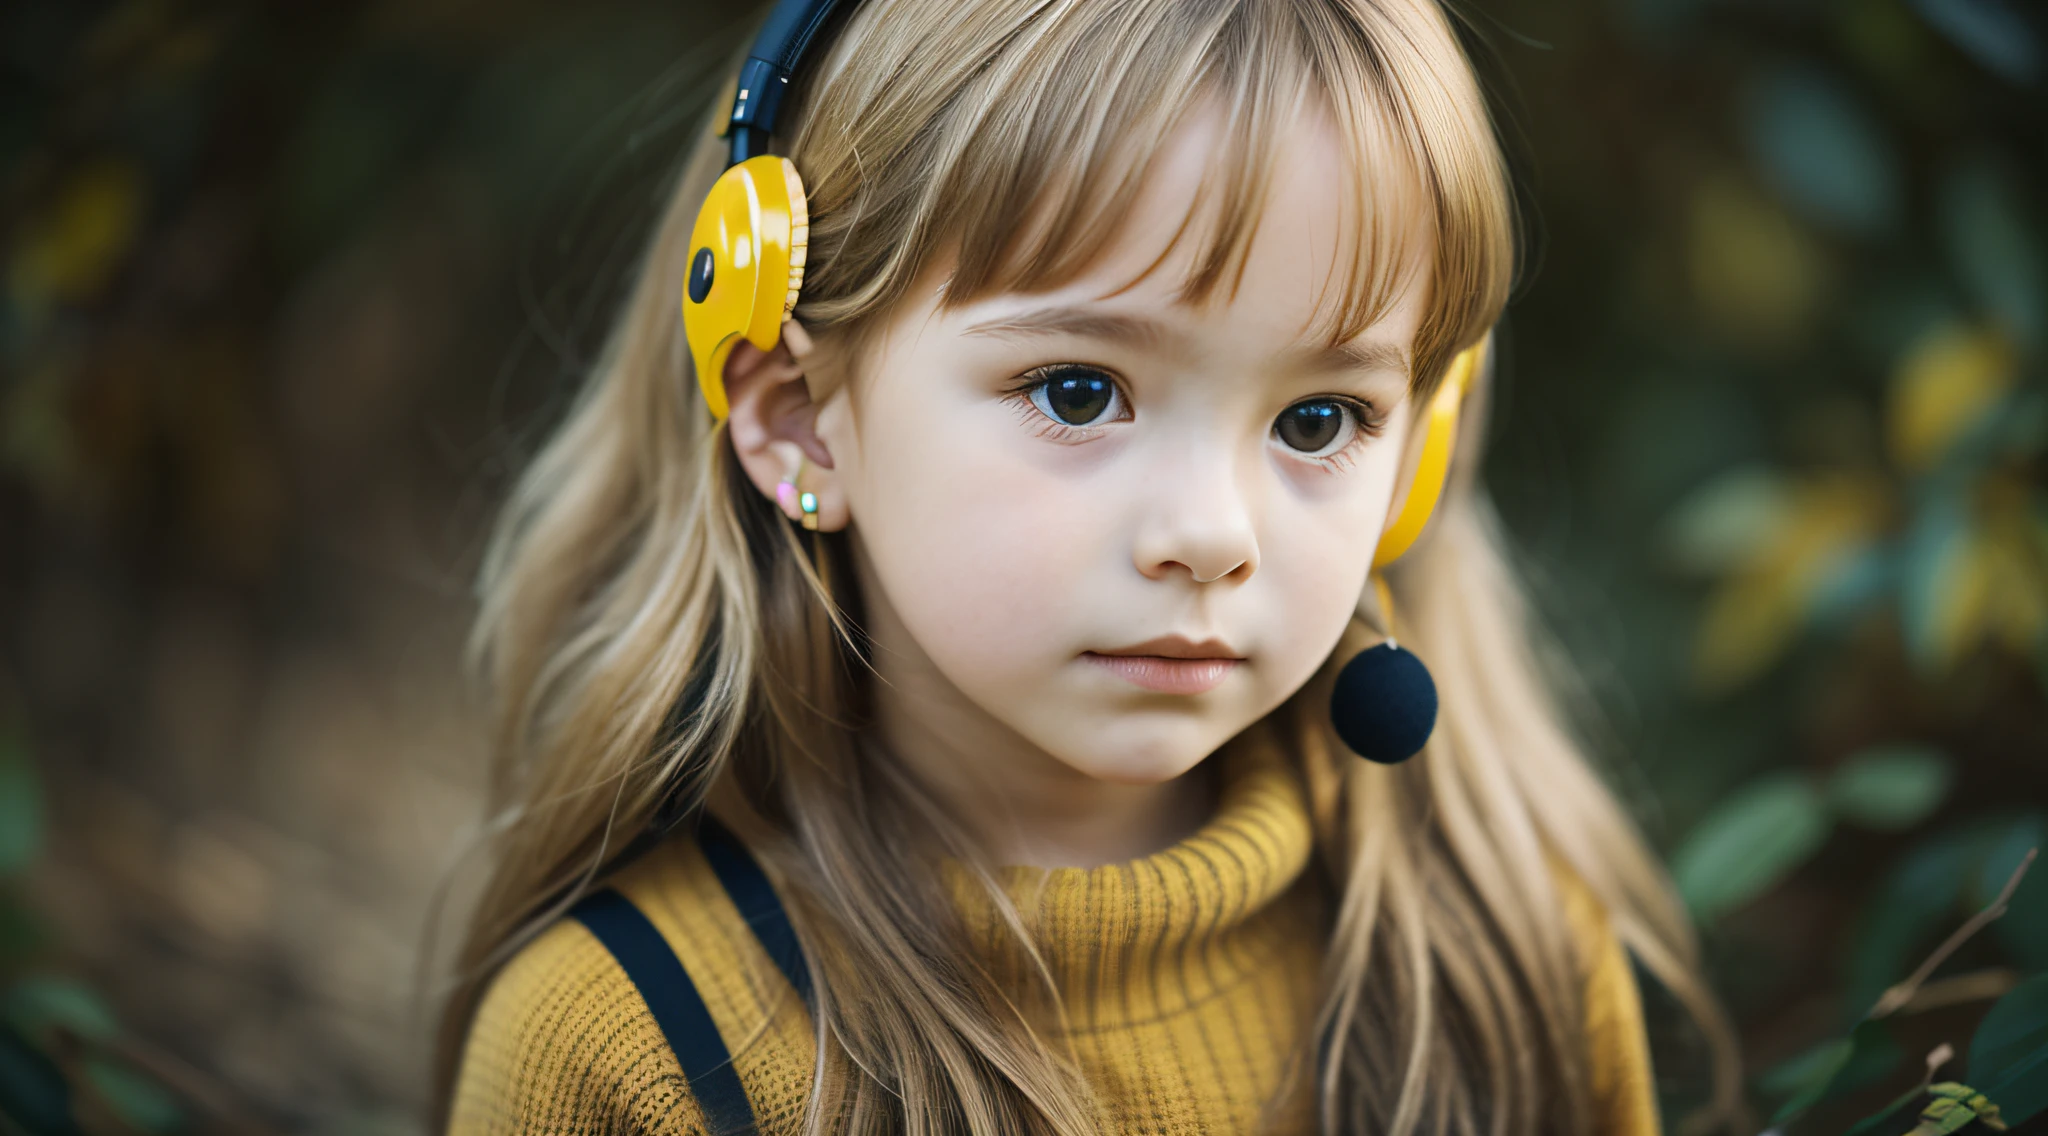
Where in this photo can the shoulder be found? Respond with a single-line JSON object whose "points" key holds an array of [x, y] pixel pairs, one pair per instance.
{"points": [[1623, 1088], [563, 1039]]}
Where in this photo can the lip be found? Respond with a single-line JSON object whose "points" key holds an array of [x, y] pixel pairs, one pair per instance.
{"points": [[1177, 647], [1171, 664]]}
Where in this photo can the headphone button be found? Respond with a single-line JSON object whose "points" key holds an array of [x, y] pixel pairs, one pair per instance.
{"points": [[701, 269]]}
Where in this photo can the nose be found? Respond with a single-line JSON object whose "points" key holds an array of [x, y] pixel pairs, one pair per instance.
{"points": [[1197, 516]]}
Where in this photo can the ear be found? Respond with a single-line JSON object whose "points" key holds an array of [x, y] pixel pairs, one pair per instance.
{"points": [[772, 422]]}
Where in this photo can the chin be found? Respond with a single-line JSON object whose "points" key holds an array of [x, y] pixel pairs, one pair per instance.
{"points": [[1144, 761]]}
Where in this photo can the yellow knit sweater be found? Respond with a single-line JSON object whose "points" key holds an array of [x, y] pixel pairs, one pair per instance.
{"points": [[1188, 976]]}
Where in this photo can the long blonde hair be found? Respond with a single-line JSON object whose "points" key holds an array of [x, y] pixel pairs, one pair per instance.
{"points": [[655, 636]]}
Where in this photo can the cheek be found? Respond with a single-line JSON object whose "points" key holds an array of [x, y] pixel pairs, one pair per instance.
{"points": [[1316, 554], [984, 557]]}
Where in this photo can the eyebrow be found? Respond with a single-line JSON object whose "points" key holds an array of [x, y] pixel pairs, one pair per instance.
{"points": [[1138, 331], [1115, 327], [1355, 356]]}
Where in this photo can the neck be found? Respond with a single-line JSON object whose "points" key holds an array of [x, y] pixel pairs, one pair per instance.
{"points": [[1021, 804]]}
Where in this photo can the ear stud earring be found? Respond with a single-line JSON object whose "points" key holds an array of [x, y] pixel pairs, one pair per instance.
{"points": [[797, 505]]}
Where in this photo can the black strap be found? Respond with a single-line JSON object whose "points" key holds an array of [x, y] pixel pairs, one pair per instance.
{"points": [[666, 987], [778, 52], [678, 1010], [755, 897]]}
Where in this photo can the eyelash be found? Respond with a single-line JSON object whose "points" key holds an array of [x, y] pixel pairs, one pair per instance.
{"points": [[1370, 423], [1037, 378]]}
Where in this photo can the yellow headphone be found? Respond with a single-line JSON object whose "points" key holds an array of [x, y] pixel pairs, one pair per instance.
{"points": [[749, 243], [747, 247], [1434, 467], [746, 268]]}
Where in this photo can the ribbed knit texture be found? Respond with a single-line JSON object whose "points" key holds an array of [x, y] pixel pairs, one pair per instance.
{"points": [[1188, 976]]}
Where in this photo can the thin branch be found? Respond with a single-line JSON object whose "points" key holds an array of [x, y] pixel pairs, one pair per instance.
{"points": [[1903, 993], [1976, 986]]}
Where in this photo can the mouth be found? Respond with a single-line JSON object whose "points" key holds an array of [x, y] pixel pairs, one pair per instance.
{"points": [[1171, 664]]}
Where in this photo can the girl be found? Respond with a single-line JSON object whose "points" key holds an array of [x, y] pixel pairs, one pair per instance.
{"points": [[931, 723]]}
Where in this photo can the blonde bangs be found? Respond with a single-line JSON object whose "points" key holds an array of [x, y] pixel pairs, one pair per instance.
{"points": [[958, 173]]}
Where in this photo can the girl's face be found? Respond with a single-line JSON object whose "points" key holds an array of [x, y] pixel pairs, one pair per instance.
{"points": [[1037, 483]]}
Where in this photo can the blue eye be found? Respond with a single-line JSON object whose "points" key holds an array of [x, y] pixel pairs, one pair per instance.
{"points": [[1075, 396], [1314, 427]]}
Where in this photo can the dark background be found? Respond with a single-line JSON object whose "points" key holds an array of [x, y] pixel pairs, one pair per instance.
{"points": [[290, 289]]}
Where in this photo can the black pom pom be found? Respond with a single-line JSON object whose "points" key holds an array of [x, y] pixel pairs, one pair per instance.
{"points": [[1384, 706]]}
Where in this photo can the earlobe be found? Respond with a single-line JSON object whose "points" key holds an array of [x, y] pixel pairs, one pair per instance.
{"points": [[794, 495], [772, 426]]}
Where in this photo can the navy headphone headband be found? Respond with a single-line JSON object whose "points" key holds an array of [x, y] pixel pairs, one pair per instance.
{"points": [[778, 51]]}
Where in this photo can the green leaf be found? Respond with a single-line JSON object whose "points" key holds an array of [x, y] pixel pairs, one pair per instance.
{"points": [[1948, 391], [1875, 1057], [2016, 1027], [1807, 1076], [1994, 248], [21, 807], [1821, 149], [1721, 523], [2022, 1093], [1883, 1117], [1890, 788], [134, 1097], [37, 1003], [2022, 431], [1917, 900], [32, 1089], [1669, 435], [1990, 32], [1933, 565], [1839, 1067], [1854, 583], [1794, 1074], [1940, 881], [2023, 930], [1750, 842]]}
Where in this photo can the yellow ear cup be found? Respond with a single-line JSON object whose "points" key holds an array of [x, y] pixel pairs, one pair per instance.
{"points": [[1435, 463], [746, 266]]}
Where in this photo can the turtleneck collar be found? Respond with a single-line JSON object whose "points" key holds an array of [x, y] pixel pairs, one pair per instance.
{"points": [[1153, 935]]}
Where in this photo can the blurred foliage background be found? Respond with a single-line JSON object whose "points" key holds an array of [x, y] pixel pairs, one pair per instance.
{"points": [[290, 288]]}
